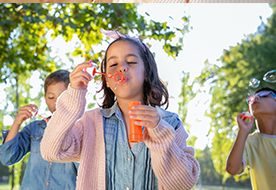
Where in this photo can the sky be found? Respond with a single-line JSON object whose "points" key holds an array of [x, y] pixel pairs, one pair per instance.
{"points": [[215, 27]]}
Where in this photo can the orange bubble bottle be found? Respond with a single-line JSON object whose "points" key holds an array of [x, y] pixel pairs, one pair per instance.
{"points": [[135, 131]]}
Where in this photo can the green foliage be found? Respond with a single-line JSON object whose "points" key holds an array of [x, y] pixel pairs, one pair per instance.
{"points": [[229, 86], [186, 95], [25, 48], [24, 45], [207, 170]]}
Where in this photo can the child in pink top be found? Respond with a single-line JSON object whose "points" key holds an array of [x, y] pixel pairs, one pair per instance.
{"points": [[75, 135]]}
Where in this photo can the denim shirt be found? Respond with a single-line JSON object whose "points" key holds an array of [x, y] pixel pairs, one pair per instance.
{"points": [[39, 174], [127, 168]]}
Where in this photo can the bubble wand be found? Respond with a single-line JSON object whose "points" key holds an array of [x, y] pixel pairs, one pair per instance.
{"points": [[247, 116], [118, 77], [35, 113]]}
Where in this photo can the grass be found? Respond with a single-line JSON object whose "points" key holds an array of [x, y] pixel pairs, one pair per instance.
{"points": [[6, 186], [210, 187]]}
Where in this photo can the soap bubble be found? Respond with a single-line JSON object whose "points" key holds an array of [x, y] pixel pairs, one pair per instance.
{"points": [[254, 83], [270, 76]]}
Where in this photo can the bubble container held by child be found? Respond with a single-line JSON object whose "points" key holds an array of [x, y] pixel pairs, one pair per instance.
{"points": [[135, 131]]}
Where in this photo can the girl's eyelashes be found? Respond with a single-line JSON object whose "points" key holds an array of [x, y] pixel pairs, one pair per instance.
{"points": [[113, 65], [50, 97], [129, 62]]}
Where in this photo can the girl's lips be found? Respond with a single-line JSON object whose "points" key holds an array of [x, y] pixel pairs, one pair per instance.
{"points": [[124, 81]]}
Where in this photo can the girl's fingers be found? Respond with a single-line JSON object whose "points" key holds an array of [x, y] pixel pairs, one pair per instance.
{"points": [[82, 66], [81, 74], [144, 114], [143, 117], [80, 80], [143, 107], [147, 116], [147, 124]]}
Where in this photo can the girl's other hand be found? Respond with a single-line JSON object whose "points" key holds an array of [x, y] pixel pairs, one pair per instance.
{"points": [[24, 113], [243, 125], [79, 78], [147, 115]]}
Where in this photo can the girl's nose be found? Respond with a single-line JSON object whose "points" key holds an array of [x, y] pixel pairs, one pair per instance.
{"points": [[123, 67]]}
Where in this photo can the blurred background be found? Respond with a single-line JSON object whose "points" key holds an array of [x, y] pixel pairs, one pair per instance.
{"points": [[211, 57]]}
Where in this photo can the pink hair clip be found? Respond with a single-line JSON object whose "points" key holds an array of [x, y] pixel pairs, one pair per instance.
{"points": [[115, 35]]}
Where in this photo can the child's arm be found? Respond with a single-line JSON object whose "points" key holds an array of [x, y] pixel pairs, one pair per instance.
{"points": [[23, 114], [15, 149], [234, 162], [17, 144], [62, 140], [173, 161]]}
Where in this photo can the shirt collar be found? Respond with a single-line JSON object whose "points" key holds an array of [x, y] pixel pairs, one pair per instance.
{"points": [[266, 135], [108, 112]]}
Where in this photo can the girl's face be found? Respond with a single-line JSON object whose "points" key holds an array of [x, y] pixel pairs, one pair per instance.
{"points": [[124, 57]]}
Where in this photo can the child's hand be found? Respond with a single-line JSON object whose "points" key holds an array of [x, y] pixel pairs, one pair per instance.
{"points": [[24, 113], [79, 78], [147, 115], [243, 125]]}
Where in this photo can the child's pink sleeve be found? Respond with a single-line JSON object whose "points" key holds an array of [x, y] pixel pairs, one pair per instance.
{"points": [[173, 161], [62, 139]]}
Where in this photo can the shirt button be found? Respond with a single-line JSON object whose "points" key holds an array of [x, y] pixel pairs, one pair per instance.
{"points": [[127, 188], [50, 163], [47, 184], [37, 137], [128, 160]]}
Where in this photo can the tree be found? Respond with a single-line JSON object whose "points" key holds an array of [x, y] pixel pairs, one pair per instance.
{"points": [[23, 29], [207, 170], [229, 86], [186, 95]]}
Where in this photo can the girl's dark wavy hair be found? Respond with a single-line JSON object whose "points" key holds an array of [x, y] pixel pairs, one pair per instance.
{"points": [[155, 91]]}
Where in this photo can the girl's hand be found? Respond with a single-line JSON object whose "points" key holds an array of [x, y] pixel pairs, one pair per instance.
{"points": [[24, 113], [147, 115], [243, 125], [79, 78]]}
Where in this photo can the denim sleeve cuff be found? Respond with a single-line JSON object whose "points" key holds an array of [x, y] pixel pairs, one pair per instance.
{"points": [[6, 145], [4, 135]]}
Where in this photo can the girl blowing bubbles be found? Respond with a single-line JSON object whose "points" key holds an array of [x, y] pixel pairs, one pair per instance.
{"points": [[98, 138]]}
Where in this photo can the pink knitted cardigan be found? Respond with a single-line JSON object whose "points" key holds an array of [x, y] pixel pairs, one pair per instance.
{"points": [[73, 135]]}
